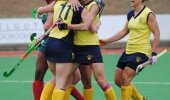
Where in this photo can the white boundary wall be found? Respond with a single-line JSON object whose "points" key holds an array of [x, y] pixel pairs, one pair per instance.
{"points": [[18, 30]]}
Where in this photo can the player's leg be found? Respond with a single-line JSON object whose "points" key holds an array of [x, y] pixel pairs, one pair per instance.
{"points": [[135, 93], [74, 92], [129, 72], [41, 63], [85, 71], [126, 89], [91, 55], [83, 56], [59, 51], [41, 68], [118, 77], [99, 75], [71, 82], [49, 86], [68, 88], [48, 90], [63, 71]]}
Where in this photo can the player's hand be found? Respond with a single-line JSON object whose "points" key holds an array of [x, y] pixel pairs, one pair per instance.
{"points": [[75, 4], [62, 26], [153, 58], [103, 42], [40, 12]]}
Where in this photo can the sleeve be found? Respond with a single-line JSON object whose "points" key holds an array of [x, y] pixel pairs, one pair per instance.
{"points": [[130, 14]]}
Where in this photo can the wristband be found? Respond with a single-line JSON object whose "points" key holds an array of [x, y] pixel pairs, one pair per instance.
{"points": [[62, 26], [154, 53]]}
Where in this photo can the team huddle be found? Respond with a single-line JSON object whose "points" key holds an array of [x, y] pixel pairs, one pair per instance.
{"points": [[72, 50]]}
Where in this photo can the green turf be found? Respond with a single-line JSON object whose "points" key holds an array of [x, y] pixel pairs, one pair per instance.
{"points": [[153, 81]]}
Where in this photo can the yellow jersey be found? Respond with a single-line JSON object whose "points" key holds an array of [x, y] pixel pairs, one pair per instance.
{"points": [[139, 33], [63, 10], [87, 37]]}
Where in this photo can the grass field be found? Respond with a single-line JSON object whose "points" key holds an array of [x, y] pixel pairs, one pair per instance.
{"points": [[153, 82]]}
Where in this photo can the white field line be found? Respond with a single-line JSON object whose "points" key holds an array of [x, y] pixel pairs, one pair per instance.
{"points": [[93, 82]]}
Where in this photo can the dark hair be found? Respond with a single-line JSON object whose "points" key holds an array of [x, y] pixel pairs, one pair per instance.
{"points": [[145, 0], [49, 1]]}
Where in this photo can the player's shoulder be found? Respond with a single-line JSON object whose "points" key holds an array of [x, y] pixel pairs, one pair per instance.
{"points": [[130, 14], [148, 9]]}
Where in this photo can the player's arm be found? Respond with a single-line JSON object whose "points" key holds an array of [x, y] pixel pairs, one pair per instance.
{"points": [[48, 23], [87, 19], [46, 9], [153, 25], [121, 34], [95, 26]]}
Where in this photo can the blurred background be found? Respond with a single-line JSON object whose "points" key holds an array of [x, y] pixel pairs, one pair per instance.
{"points": [[22, 8], [17, 24]]}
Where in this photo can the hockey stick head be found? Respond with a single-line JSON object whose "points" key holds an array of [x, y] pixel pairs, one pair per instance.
{"points": [[31, 48], [139, 67], [33, 35], [7, 74], [18, 63], [34, 13]]}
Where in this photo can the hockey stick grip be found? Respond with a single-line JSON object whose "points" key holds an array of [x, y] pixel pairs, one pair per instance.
{"points": [[148, 62]]}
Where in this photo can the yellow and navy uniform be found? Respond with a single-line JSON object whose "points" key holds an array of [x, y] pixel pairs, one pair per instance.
{"points": [[63, 10], [139, 33], [138, 47], [87, 37], [86, 43], [59, 45]]}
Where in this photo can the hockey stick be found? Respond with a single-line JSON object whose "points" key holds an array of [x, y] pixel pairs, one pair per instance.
{"points": [[148, 62], [30, 49], [34, 13]]}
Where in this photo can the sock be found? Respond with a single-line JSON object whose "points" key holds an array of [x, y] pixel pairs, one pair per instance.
{"points": [[88, 94], [58, 94], [76, 94], [110, 94], [37, 89], [135, 93], [126, 92], [106, 86], [47, 91], [67, 93]]}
